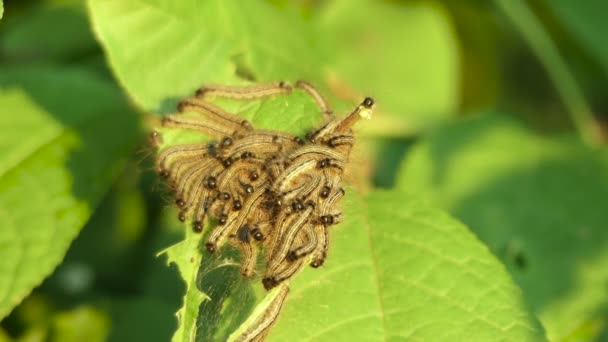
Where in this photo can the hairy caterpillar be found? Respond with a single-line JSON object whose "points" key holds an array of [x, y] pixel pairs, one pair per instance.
{"points": [[266, 189]]}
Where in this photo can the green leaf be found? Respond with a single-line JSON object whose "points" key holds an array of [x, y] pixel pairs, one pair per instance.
{"points": [[537, 202], [405, 55], [163, 49], [407, 271], [399, 269], [30, 38], [83, 323], [586, 21], [1, 9], [62, 142]]}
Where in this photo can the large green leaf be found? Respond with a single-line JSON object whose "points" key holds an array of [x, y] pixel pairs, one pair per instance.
{"points": [[397, 268], [401, 270], [394, 271], [538, 203], [405, 55], [586, 21], [162, 49], [64, 136]]}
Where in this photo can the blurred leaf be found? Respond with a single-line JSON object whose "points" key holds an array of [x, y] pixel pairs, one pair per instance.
{"points": [[37, 333], [587, 22], [57, 161], [163, 49], [111, 235], [3, 335], [58, 32], [404, 55], [538, 203], [588, 331], [107, 252], [1, 9], [83, 323], [400, 269], [30, 317], [479, 47], [140, 319], [544, 48]]}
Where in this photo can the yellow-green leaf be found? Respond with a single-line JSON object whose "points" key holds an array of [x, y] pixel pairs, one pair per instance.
{"points": [[400, 269], [539, 203]]}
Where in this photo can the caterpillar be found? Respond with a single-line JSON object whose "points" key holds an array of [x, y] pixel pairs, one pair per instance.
{"points": [[265, 189]]}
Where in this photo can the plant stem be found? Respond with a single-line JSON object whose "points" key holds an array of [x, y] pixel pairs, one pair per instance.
{"points": [[522, 17]]}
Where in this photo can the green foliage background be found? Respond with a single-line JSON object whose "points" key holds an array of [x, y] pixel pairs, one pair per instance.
{"points": [[477, 205]]}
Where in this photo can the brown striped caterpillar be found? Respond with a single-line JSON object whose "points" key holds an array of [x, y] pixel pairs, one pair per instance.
{"points": [[258, 330], [266, 189]]}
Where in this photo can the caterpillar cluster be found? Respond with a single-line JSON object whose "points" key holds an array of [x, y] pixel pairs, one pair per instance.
{"points": [[266, 189]]}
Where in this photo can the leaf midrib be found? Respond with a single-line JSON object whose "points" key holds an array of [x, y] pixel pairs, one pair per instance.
{"points": [[374, 261]]}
